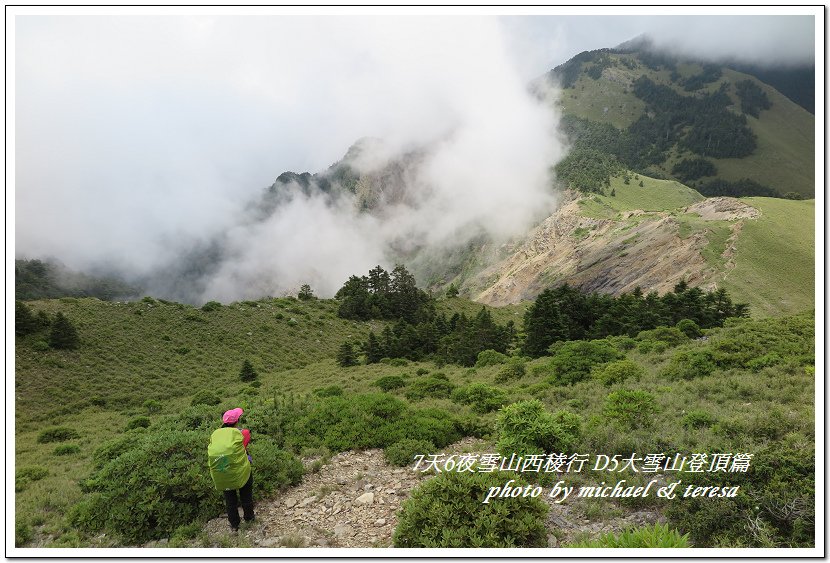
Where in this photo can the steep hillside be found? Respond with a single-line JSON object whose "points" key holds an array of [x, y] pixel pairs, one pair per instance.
{"points": [[655, 235], [606, 87]]}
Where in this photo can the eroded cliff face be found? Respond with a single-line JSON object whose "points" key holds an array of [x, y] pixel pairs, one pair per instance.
{"points": [[614, 255]]}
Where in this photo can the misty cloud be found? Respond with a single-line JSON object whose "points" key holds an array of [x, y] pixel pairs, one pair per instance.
{"points": [[139, 139]]}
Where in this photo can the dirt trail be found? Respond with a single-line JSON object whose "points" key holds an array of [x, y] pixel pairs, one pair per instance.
{"points": [[353, 501]]}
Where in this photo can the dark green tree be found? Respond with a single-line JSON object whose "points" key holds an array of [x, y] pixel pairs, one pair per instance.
{"points": [[452, 291], [63, 335], [346, 356], [305, 293], [373, 349], [248, 373], [25, 321]]}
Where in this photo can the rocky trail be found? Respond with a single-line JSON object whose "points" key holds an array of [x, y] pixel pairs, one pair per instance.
{"points": [[353, 500]]}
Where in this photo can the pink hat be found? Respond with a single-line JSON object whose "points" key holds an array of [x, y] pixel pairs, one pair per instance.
{"points": [[232, 416]]}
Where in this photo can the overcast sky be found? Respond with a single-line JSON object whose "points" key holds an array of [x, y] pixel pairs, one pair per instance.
{"points": [[136, 136]]}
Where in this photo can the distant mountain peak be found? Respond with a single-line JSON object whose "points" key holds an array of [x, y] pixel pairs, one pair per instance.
{"points": [[643, 42]]}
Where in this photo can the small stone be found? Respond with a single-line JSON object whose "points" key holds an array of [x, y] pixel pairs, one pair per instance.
{"points": [[365, 498], [343, 531], [368, 487], [269, 542], [307, 501], [341, 481], [552, 541], [380, 522], [290, 503]]}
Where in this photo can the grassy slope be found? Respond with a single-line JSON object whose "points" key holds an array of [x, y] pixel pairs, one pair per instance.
{"points": [[784, 159], [775, 254], [775, 260], [734, 398]]}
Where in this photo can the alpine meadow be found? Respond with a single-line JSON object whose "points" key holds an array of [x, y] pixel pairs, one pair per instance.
{"points": [[576, 312]]}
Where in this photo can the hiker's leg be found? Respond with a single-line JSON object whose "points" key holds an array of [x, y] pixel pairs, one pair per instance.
{"points": [[246, 497], [231, 504]]}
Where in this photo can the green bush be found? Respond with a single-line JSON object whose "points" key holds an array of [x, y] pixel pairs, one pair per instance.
{"points": [[273, 468], [137, 422], [57, 434], [151, 405], [389, 382], [432, 386], [22, 534], [671, 336], [403, 453], [162, 483], [622, 343], [447, 511], [527, 428], [26, 475], [617, 372], [765, 361], [689, 364], [205, 397], [481, 397], [330, 391], [698, 419], [632, 409], [654, 536], [111, 449], [369, 421], [67, 449], [689, 328], [211, 306], [515, 369], [774, 507], [572, 360], [490, 358]]}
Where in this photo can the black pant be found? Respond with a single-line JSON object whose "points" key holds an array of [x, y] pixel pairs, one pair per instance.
{"points": [[246, 499]]}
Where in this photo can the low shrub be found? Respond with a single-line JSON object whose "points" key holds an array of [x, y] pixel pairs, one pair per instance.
{"points": [[632, 409], [448, 511], [403, 452], [572, 360], [389, 382], [432, 386], [653, 536], [205, 397], [22, 534], [481, 397], [513, 370], [774, 507], [617, 372], [490, 358], [671, 336], [373, 420], [330, 391], [26, 475], [67, 449], [527, 428], [689, 328], [698, 419], [211, 306], [162, 483], [137, 422], [57, 434], [689, 364], [273, 468]]}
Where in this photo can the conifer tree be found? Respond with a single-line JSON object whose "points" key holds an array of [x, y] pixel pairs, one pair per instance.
{"points": [[24, 320], [63, 335], [248, 373], [346, 356]]}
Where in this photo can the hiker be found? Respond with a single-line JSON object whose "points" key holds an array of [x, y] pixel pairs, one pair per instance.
{"points": [[230, 466]]}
